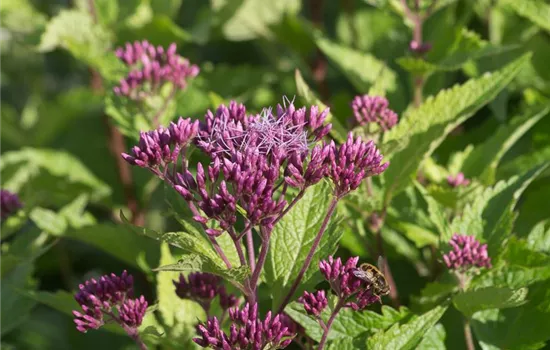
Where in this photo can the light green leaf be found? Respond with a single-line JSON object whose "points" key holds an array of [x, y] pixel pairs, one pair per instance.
{"points": [[292, 239], [178, 314], [48, 221], [434, 339], [539, 237], [348, 323], [536, 11], [421, 131], [420, 236], [408, 335], [526, 327], [338, 131], [71, 176], [119, 241], [472, 301], [362, 69], [250, 19], [483, 161]]}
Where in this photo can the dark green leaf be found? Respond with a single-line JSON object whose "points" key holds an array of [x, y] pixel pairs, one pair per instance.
{"points": [[472, 301]]}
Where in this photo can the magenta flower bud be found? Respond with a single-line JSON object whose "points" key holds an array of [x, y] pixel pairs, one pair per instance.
{"points": [[247, 331], [458, 180], [418, 48], [373, 109], [150, 68], [467, 252], [314, 303], [9, 203], [352, 162], [227, 300], [98, 299]]}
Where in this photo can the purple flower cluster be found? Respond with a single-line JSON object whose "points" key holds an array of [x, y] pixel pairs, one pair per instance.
{"points": [[251, 157], [247, 331], [9, 203], [151, 67], [314, 303], [99, 298], [373, 109], [357, 293], [458, 180], [203, 288], [466, 252]]}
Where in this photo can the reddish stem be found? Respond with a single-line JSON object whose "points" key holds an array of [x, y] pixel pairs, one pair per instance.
{"points": [[337, 309]]}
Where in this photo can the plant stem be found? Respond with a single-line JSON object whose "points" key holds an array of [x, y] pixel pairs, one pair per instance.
{"points": [[250, 249], [266, 237], [212, 240], [337, 309], [468, 335], [309, 257], [238, 246]]}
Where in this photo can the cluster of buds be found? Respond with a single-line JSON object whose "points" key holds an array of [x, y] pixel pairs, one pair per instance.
{"points": [[355, 292], [150, 68], [373, 109], [203, 288], [314, 303], [467, 252], [458, 180], [9, 203], [247, 331], [251, 157], [109, 299]]}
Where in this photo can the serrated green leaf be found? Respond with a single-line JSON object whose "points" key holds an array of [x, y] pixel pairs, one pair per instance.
{"points": [[536, 11], [421, 131], [362, 69], [338, 131], [484, 159], [408, 335], [434, 339], [472, 301], [348, 323], [539, 237], [175, 312], [292, 239], [524, 327]]}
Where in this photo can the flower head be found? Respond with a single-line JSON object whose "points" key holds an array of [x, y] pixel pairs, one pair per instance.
{"points": [[247, 331], [467, 252], [314, 303], [203, 288], [152, 67], [458, 180], [9, 203], [373, 109], [353, 161], [358, 293], [98, 298]]}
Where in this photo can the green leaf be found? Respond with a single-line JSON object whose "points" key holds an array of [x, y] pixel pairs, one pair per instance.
{"points": [[175, 312], [483, 161], [423, 129], [539, 238], [434, 339], [48, 221], [338, 131], [433, 294], [70, 175], [419, 235], [525, 327], [536, 11], [250, 19], [292, 239], [348, 323], [472, 301], [16, 307], [118, 241], [362, 69], [408, 335]]}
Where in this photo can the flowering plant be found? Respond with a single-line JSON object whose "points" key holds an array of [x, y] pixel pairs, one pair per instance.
{"points": [[254, 175]]}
